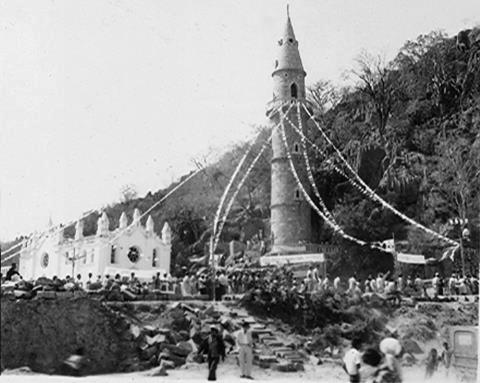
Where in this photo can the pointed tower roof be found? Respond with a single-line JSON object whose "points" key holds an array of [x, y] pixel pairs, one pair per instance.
{"points": [[136, 216], [288, 56], [123, 222], [150, 224], [79, 229]]}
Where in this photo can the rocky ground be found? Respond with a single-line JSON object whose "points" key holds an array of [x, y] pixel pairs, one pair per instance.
{"points": [[164, 336]]}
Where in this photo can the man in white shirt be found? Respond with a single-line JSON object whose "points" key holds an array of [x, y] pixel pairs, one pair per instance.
{"points": [[381, 283], [352, 282], [245, 355], [352, 361], [452, 285], [336, 284]]}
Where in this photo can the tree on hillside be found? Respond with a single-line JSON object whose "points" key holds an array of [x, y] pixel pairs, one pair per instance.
{"points": [[128, 192], [457, 181], [378, 82], [323, 96]]}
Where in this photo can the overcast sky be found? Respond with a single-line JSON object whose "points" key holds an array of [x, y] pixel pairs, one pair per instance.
{"points": [[96, 94]]}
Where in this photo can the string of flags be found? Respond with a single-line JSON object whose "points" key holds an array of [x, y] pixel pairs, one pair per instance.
{"points": [[221, 222], [371, 194]]}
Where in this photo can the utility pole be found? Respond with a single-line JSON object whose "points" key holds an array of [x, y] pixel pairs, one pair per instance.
{"points": [[462, 250]]}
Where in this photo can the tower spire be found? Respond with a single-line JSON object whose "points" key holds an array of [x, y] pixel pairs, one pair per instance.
{"points": [[288, 56]]}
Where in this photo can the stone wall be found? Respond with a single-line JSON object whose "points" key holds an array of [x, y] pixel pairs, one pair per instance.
{"points": [[42, 333]]}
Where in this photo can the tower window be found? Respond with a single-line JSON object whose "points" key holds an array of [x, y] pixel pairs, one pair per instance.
{"points": [[297, 195], [293, 90], [296, 148], [290, 40], [276, 64]]}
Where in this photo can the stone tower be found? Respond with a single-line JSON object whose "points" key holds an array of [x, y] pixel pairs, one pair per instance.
{"points": [[290, 212]]}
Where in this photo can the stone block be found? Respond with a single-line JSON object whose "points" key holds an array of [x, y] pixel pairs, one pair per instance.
{"points": [[273, 343], [284, 367]]}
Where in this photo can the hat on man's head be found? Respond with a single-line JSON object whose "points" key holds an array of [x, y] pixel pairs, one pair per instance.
{"points": [[245, 323], [213, 328]]}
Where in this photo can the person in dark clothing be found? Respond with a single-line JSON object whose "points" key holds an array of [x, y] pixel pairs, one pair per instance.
{"points": [[214, 347], [11, 272]]}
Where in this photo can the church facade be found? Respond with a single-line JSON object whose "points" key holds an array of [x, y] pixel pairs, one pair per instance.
{"points": [[135, 248]]}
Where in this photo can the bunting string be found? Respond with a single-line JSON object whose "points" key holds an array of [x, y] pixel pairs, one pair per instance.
{"points": [[367, 191]]}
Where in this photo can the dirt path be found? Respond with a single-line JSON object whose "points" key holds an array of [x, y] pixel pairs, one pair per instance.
{"points": [[227, 372]]}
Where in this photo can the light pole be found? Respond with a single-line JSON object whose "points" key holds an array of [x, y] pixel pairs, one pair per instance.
{"points": [[73, 259], [462, 223]]}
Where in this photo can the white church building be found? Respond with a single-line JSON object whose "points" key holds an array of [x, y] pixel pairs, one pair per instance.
{"points": [[129, 248]]}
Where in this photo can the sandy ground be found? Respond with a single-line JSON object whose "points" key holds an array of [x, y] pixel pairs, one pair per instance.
{"points": [[227, 372]]}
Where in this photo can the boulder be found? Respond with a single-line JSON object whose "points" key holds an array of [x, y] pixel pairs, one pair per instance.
{"points": [[179, 351], [148, 352], [135, 331], [158, 371], [159, 338], [176, 359]]}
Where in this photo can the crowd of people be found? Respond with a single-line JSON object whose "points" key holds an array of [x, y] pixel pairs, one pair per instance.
{"points": [[279, 281], [387, 363]]}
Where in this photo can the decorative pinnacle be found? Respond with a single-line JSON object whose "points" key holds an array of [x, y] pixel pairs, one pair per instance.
{"points": [[288, 10]]}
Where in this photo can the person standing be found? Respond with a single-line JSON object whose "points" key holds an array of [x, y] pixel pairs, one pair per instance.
{"points": [[352, 361], [436, 285], [336, 284], [431, 364], [446, 358], [245, 355], [214, 347]]}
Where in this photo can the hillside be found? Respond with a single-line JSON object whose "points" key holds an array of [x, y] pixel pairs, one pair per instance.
{"points": [[411, 130]]}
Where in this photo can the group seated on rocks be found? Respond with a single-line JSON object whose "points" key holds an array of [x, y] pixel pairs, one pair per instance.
{"points": [[278, 282]]}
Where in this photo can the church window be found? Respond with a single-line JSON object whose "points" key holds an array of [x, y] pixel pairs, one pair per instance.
{"points": [[113, 254], [296, 148], [293, 90], [44, 260], [154, 258], [84, 256], [92, 256], [290, 40], [67, 258], [276, 64], [133, 254]]}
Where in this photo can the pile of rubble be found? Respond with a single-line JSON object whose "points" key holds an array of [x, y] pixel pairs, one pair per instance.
{"points": [[174, 338]]}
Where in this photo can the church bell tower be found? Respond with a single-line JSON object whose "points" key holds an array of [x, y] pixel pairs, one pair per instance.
{"points": [[290, 213]]}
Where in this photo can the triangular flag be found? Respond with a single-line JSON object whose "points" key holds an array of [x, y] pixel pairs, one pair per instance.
{"points": [[449, 253]]}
